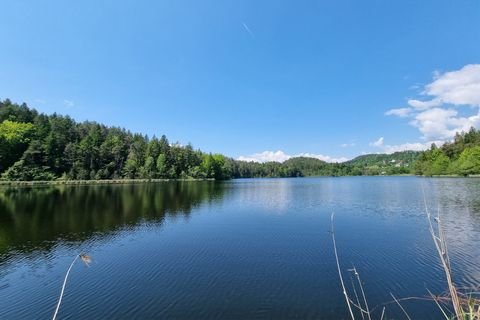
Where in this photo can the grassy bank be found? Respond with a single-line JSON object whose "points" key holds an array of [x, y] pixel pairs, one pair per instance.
{"points": [[130, 181], [91, 182]]}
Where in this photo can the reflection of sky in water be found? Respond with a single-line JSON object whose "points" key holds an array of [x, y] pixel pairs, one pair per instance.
{"points": [[271, 195], [366, 196], [457, 199]]}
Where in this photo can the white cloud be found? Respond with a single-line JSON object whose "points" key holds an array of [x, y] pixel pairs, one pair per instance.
{"points": [[68, 103], [415, 146], [377, 143], [460, 87], [400, 112], [437, 117], [422, 105], [280, 156], [439, 123], [266, 156], [322, 157]]}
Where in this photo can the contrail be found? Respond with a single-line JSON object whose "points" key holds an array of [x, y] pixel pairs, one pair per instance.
{"points": [[248, 29]]}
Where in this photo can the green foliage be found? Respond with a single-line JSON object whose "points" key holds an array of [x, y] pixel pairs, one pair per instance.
{"points": [[161, 166], [212, 166], [460, 157], [36, 146], [303, 166], [40, 147], [16, 113], [469, 161], [22, 171], [15, 132], [432, 162], [14, 140], [387, 164]]}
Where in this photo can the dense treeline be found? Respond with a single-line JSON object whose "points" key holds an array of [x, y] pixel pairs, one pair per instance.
{"points": [[459, 157], [35, 146], [295, 167]]}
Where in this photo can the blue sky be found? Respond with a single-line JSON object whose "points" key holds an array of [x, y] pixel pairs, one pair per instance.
{"points": [[253, 79]]}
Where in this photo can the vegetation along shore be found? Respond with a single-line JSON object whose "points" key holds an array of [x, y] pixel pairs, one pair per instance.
{"points": [[39, 147]]}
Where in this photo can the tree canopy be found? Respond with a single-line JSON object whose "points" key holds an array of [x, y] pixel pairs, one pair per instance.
{"points": [[459, 157], [35, 146]]}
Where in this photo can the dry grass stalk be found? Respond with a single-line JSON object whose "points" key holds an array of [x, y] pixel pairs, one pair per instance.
{"points": [[400, 305], [383, 313], [438, 304], [362, 307], [465, 308], [441, 247], [87, 260], [357, 275], [354, 287], [347, 299]]}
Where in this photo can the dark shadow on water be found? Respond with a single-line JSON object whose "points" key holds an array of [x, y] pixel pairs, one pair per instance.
{"points": [[36, 218]]}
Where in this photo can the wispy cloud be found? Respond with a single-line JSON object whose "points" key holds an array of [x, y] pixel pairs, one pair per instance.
{"points": [[245, 26], [377, 143], [348, 145], [400, 112], [280, 156], [68, 103]]}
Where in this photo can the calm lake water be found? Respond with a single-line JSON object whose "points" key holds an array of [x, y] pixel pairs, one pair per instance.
{"points": [[242, 249]]}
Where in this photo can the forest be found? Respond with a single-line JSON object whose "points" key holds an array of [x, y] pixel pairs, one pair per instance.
{"points": [[458, 157], [39, 147]]}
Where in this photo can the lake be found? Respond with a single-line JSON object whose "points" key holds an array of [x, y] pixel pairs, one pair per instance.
{"points": [[240, 249]]}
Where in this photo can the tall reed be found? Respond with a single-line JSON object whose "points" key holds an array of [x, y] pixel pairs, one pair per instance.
{"points": [[87, 260], [465, 306]]}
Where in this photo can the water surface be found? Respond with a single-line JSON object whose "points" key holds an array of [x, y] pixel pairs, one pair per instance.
{"points": [[242, 249]]}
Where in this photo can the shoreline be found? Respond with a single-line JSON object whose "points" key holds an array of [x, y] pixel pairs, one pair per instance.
{"points": [[140, 181], [92, 182]]}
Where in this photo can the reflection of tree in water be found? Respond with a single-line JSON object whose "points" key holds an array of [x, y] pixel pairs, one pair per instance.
{"points": [[37, 218]]}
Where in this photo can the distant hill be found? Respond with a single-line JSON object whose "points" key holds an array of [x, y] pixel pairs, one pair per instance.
{"points": [[305, 163], [307, 166], [395, 163], [369, 164], [382, 158]]}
